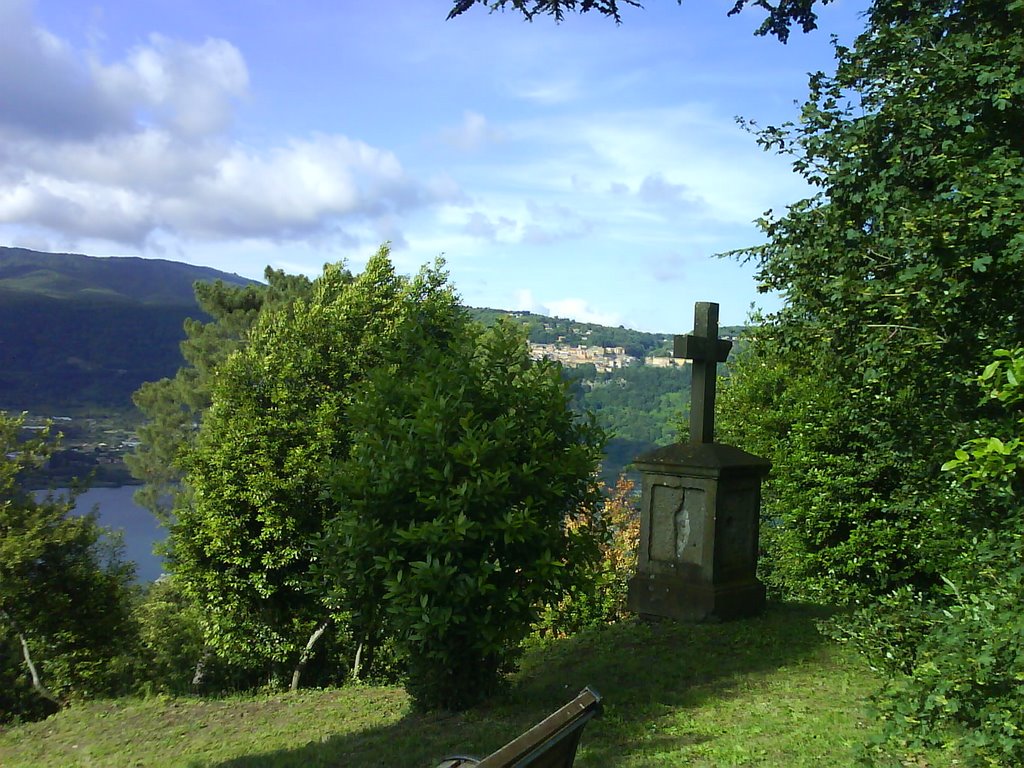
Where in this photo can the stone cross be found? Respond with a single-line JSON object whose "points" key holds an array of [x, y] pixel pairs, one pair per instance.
{"points": [[706, 351]]}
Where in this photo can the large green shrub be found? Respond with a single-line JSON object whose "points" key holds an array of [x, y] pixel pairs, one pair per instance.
{"points": [[836, 524], [954, 659], [259, 467], [465, 463], [900, 274]]}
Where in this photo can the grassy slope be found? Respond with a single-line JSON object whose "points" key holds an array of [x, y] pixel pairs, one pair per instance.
{"points": [[764, 692]]}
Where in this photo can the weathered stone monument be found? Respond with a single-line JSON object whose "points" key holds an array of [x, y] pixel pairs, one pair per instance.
{"points": [[700, 506]]}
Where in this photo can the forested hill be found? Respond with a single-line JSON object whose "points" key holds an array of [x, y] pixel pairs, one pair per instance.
{"points": [[79, 278], [641, 406], [79, 333]]}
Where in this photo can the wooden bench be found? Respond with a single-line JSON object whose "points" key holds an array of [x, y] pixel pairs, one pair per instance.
{"points": [[551, 743]]}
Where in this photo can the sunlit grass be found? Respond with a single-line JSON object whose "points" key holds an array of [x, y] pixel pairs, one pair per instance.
{"points": [[763, 692]]}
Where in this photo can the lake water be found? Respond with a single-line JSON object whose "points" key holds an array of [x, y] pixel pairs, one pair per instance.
{"points": [[117, 510]]}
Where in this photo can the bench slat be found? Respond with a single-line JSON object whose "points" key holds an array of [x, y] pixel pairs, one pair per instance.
{"points": [[552, 743]]}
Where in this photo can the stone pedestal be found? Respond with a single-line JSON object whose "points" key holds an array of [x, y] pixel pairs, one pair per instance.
{"points": [[698, 550]]}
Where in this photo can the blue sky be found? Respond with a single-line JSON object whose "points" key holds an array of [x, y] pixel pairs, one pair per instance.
{"points": [[585, 170]]}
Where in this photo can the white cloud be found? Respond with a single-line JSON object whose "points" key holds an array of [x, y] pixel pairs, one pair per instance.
{"points": [[483, 226], [648, 157], [122, 188], [579, 309], [189, 88], [45, 87], [81, 207], [656, 189], [668, 267], [294, 188], [472, 133], [122, 150], [553, 223], [571, 308], [550, 93], [524, 302]]}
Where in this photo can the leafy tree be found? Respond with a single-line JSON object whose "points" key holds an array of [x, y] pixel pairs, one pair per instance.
{"points": [[171, 642], [996, 462], [782, 14], [953, 658], [65, 596], [827, 533], [466, 462], [900, 276], [259, 465], [174, 408], [171, 637]]}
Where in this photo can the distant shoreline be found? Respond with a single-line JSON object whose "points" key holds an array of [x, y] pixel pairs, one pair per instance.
{"points": [[54, 483]]}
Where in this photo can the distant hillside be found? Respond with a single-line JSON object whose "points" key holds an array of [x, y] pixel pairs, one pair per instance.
{"points": [[640, 406], [79, 333], [543, 329], [76, 277]]}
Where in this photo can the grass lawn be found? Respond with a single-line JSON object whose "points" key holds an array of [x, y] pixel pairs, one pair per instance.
{"points": [[763, 692]]}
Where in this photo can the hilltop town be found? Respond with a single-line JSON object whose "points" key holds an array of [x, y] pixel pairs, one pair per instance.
{"points": [[604, 359], [607, 348]]}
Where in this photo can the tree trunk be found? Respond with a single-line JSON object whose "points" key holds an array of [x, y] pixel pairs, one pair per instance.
{"points": [[357, 662], [364, 658], [306, 653], [199, 676], [37, 682]]}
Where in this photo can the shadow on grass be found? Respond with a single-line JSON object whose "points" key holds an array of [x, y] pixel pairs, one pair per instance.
{"points": [[645, 671]]}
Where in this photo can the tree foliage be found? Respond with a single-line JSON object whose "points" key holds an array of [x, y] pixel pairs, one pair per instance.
{"points": [[900, 276], [962, 687], [953, 657], [260, 464], [782, 15], [640, 403], [65, 596], [174, 408], [996, 462], [599, 597], [172, 655], [171, 638], [466, 462]]}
